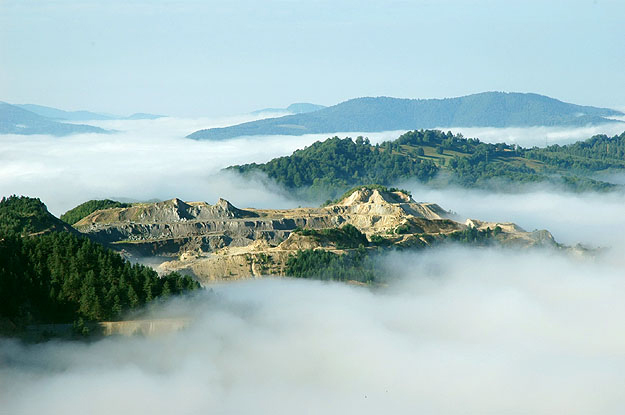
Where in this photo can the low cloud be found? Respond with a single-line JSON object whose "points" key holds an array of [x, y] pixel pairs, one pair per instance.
{"points": [[151, 159], [591, 218], [145, 160], [537, 136], [457, 331]]}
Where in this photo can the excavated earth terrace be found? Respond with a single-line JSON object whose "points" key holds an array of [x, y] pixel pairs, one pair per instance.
{"points": [[220, 241]]}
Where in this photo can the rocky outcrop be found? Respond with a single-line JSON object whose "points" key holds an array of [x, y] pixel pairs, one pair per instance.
{"points": [[220, 241], [175, 226]]}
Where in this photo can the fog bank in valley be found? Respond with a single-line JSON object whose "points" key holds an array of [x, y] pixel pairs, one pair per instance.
{"points": [[151, 159], [591, 218], [456, 331], [145, 160], [538, 136]]}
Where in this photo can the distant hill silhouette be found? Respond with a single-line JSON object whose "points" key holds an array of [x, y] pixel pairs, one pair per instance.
{"points": [[487, 109], [62, 115], [296, 108], [57, 114], [142, 116], [16, 120]]}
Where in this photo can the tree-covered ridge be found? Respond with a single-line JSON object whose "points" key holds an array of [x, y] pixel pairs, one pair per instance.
{"points": [[85, 209], [61, 277], [345, 237], [334, 165], [476, 164], [597, 153], [25, 216], [362, 265], [357, 265], [49, 274], [338, 164]]}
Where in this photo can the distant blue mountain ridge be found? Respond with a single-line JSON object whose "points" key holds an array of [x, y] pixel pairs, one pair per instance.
{"points": [[62, 115], [16, 120], [296, 108], [28, 119], [374, 114]]}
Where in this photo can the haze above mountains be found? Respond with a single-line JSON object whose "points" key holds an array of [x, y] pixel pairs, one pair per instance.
{"points": [[367, 114]]}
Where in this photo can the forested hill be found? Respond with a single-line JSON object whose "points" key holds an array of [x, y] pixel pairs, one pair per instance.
{"points": [[597, 153], [488, 109], [28, 216], [57, 276], [325, 169], [85, 209]]}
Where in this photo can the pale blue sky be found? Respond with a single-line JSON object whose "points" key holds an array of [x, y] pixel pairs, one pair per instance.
{"points": [[209, 58]]}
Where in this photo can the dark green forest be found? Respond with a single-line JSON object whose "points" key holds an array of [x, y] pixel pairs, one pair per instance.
{"points": [[337, 164], [597, 153], [357, 265], [26, 215], [85, 209], [361, 265], [57, 276], [472, 236], [345, 237], [328, 168]]}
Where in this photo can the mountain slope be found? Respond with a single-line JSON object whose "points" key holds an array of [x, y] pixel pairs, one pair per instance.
{"points": [[488, 109], [295, 108], [327, 168], [57, 114], [16, 120], [143, 116], [84, 209], [49, 273], [28, 216], [304, 107]]}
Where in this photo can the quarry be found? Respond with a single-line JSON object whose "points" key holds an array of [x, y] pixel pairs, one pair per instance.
{"points": [[222, 242]]}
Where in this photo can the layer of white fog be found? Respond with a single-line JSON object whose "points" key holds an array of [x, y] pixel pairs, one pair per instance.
{"points": [[457, 330], [460, 331], [145, 160], [151, 159], [594, 219]]}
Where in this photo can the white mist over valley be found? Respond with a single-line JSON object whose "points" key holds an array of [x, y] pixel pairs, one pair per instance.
{"points": [[185, 227], [536, 328], [487, 327], [152, 159]]}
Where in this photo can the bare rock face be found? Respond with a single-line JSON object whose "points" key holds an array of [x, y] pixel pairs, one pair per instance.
{"points": [[174, 223], [221, 241], [372, 202]]}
